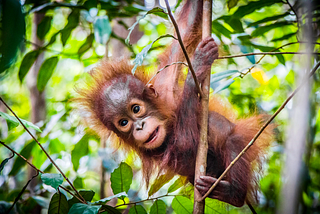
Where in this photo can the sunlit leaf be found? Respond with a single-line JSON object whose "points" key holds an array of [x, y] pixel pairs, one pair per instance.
{"points": [[181, 181], [259, 75], [105, 200], [86, 194], [158, 207], [156, 10], [223, 85], [19, 162], [268, 19], [102, 29], [121, 178], [12, 32], [252, 6], [232, 3], [235, 23], [53, 180], [46, 70], [140, 56], [73, 21], [11, 120], [182, 205], [159, 182], [44, 27], [81, 149], [87, 45], [263, 29], [214, 206], [58, 204], [84, 209], [221, 75], [138, 209], [285, 37], [219, 29], [4, 162], [78, 183], [27, 62]]}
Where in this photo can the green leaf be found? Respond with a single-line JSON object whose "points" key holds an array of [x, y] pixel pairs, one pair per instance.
{"points": [[73, 21], [105, 200], [86, 194], [51, 179], [138, 209], [102, 29], [58, 204], [81, 149], [263, 29], [232, 3], [235, 23], [30, 125], [252, 6], [4, 162], [84, 209], [121, 178], [27, 62], [42, 201], [181, 181], [19, 162], [12, 32], [158, 207], [156, 10], [219, 29], [140, 56], [110, 210], [44, 27], [221, 75], [214, 206], [46, 71], [159, 182], [182, 205], [90, 4], [268, 19], [87, 45], [11, 120], [285, 37], [53, 39], [78, 183], [223, 85]]}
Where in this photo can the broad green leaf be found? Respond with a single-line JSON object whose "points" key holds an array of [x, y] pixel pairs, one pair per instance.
{"points": [[235, 23], [73, 21], [156, 10], [158, 207], [87, 45], [140, 56], [221, 75], [223, 85], [105, 200], [268, 19], [102, 29], [19, 162], [27, 62], [232, 3], [110, 210], [30, 125], [138, 209], [121, 178], [51, 179], [4, 162], [12, 32], [285, 37], [267, 49], [263, 29], [86, 194], [44, 27], [219, 29], [181, 181], [11, 120], [84, 209], [214, 206], [42, 201], [78, 183], [58, 204], [252, 6], [53, 39], [182, 205], [81, 149], [159, 182], [46, 71]]}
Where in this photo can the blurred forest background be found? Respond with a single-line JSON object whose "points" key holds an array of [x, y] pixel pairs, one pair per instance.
{"points": [[47, 47]]}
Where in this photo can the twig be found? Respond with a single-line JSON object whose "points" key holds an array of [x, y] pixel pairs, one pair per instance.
{"points": [[65, 189], [260, 131], [183, 48], [264, 53], [51, 160]]}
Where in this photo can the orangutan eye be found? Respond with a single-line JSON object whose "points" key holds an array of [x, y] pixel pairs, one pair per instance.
{"points": [[123, 122], [135, 109]]}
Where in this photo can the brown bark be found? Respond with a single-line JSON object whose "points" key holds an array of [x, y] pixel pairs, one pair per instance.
{"points": [[201, 161]]}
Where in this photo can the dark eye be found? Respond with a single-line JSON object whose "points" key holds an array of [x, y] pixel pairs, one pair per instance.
{"points": [[123, 122], [136, 109]]}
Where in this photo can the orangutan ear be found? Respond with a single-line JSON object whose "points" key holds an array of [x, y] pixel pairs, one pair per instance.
{"points": [[151, 87]]}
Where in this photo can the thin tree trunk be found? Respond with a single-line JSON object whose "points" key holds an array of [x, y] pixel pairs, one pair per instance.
{"points": [[201, 162], [298, 129]]}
